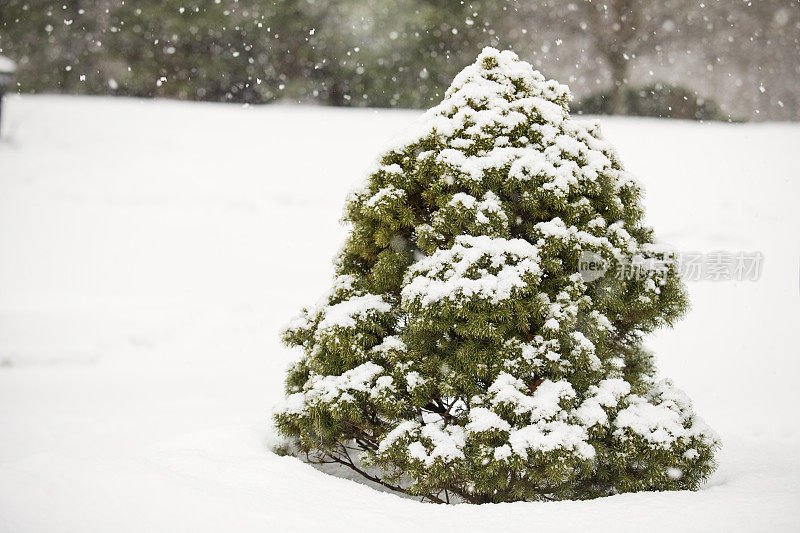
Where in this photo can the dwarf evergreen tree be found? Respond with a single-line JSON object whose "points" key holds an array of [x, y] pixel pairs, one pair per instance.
{"points": [[460, 354]]}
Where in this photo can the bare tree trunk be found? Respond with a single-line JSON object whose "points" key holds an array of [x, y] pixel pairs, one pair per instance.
{"points": [[614, 26], [619, 74]]}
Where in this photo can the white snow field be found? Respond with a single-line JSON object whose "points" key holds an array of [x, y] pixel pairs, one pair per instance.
{"points": [[150, 252]]}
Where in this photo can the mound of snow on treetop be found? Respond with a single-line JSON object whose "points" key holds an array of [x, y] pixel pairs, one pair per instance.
{"points": [[151, 251]]}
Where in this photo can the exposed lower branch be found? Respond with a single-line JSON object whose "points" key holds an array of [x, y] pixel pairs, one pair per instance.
{"points": [[348, 462]]}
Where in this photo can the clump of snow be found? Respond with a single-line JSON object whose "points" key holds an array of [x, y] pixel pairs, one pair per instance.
{"points": [[502, 452], [551, 324], [551, 435], [609, 391], [328, 389], [427, 443], [662, 418], [605, 395], [656, 423], [482, 419], [414, 380], [691, 453], [451, 274], [674, 472], [601, 321], [344, 314], [447, 442], [385, 194], [476, 166], [401, 430], [544, 403], [389, 343]]}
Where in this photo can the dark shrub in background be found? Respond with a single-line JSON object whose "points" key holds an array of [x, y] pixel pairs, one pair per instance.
{"points": [[657, 100]]}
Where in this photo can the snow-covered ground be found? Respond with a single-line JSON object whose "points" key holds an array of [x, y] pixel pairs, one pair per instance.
{"points": [[151, 251]]}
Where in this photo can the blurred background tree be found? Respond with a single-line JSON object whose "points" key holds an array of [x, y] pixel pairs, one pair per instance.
{"points": [[659, 58]]}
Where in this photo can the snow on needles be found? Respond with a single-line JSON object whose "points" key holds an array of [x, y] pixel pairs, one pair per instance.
{"points": [[344, 314], [488, 84], [482, 419], [501, 92], [548, 429], [426, 443], [328, 389], [460, 271], [662, 418], [545, 403]]}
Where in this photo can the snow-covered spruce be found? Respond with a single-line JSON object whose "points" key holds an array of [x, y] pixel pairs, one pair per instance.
{"points": [[459, 355]]}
